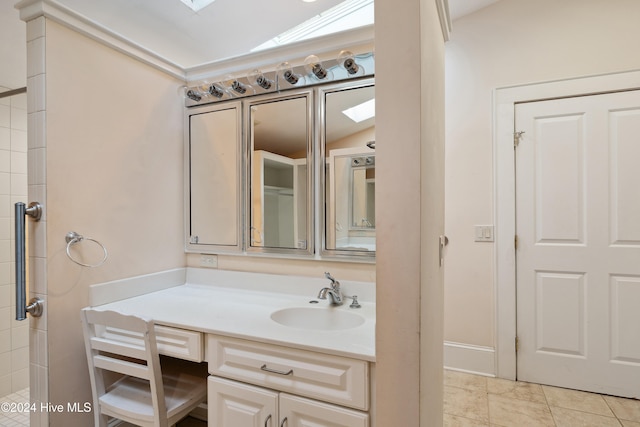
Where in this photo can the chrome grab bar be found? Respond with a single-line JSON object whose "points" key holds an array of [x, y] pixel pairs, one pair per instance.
{"points": [[35, 304]]}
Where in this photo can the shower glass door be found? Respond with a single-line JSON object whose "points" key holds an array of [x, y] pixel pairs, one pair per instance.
{"points": [[14, 335]]}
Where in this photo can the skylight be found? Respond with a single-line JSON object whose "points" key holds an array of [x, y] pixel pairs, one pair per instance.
{"points": [[361, 112], [344, 16], [196, 5]]}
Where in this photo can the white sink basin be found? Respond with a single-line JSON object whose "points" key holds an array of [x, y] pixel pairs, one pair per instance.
{"points": [[324, 319]]}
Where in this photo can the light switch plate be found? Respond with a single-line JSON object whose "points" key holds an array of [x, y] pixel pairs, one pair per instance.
{"points": [[484, 233]]}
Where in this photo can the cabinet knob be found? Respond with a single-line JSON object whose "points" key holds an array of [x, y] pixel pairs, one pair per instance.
{"points": [[283, 421]]}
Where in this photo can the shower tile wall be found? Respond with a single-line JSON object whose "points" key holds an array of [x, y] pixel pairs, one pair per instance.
{"points": [[14, 335]]}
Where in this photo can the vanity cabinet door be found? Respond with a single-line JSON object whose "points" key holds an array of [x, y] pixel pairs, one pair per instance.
{"points": [[301, 412], [234, 404]]}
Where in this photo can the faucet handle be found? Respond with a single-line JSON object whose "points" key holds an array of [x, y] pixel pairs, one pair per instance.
{"points": [[354, 303], [334, 282]]}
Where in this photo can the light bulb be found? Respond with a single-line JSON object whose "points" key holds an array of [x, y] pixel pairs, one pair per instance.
{"points": [[313, 66], [214, 90], [348, 61], [286, 72], [193, 94], [234, 84], [258, 78]]}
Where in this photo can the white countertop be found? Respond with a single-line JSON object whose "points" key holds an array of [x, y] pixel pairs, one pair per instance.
{"points": [[235, 304]]}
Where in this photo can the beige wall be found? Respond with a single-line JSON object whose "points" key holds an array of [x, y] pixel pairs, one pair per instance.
{"points": [[107, 159], [509, 43], [409, 213]]}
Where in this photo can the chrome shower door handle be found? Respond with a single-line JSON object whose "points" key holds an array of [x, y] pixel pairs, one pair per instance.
{"points": [[35, 304]]}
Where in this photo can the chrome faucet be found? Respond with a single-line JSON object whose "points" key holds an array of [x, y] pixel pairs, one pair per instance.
{"points": [[334, 292]]}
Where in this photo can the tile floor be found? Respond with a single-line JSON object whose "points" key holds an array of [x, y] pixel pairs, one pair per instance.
{"points": [[477, 401], [8, 415]]}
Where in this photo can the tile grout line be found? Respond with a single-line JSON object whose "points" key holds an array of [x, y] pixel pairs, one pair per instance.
{"points": [[612, 411], [546, 400], [486, 382]]}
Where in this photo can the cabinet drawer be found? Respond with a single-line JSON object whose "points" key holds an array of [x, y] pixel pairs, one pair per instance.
{"points": [[325, 377], [172, 342]]}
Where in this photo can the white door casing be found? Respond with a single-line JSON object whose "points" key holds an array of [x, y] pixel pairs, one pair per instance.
{"points": [[504, 101], [578, 256]]}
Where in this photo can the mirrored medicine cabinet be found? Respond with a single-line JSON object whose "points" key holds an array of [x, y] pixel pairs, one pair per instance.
{"points": [[280, 170], [213, 182], [285, 174]]}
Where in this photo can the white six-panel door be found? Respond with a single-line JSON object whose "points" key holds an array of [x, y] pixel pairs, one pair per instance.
{"points": [[578, 253]]}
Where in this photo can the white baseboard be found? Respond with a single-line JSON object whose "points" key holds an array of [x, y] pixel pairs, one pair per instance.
{"points": [[470, 358]]}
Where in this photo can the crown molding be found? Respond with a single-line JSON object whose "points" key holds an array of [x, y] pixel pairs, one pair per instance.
{"points": [[32, 9]]}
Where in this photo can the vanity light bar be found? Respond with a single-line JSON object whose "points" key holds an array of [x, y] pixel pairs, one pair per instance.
{"points": [[314, 71]]}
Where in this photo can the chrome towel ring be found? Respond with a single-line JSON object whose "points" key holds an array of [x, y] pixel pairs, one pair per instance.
{"points": [[72, 238]]}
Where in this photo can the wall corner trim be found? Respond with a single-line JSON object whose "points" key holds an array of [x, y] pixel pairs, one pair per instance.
{"points": [[32, 9]]}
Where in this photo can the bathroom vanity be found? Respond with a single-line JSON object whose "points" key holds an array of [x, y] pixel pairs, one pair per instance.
{"points": [[276, 355]]}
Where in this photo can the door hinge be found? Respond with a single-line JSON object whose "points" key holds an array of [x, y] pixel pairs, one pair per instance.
{"points": [[515, 242], [516, 138], [517, 344]]}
